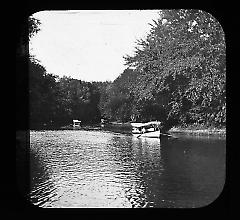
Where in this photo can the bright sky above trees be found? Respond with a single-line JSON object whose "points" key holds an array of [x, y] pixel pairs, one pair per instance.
{"points": [[89, 45]]}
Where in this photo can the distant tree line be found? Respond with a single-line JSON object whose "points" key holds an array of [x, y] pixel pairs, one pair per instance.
{"points": [[177, 75], [56, 101]]}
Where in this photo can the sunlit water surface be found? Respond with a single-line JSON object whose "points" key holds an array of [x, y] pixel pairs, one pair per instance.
{"points": [[75, 168]]}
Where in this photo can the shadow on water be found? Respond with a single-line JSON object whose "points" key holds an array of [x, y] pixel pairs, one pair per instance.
{"points": [[185, 172], [41, 187], [141, 158], [195, 169], [105, 169]]}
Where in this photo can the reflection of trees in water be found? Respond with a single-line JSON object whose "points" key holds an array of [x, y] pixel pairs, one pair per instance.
{"points": [[191, 176], [151, 166], [148, 149], [206, 168], [171, 173], [142, 157], [29, 170], [41, 186], [174, 183], [37, 172]]}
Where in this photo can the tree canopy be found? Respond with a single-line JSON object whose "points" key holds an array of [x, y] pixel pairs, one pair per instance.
{"points": [[177, 75], [182, 67]]}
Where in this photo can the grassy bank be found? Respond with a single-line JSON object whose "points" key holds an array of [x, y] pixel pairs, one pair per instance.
{"points": [[199, 130]]}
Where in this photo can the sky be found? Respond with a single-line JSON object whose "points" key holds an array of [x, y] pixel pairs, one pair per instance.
{"points": [[89, 44]]}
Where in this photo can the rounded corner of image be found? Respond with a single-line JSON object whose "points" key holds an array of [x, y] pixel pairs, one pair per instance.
{"points": [[216, 199], [216, 18], [35, 206], [35, 13]]}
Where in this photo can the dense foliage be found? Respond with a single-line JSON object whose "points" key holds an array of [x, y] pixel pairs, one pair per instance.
{"points": [[177, 75], [182, 69], [57, 101], [25, 30]]}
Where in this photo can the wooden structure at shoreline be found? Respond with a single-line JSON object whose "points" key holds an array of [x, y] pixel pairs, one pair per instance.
{"points": [[76, 123]]}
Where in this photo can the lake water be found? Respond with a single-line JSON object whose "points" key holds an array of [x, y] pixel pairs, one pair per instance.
{"points": [[77, 168]]}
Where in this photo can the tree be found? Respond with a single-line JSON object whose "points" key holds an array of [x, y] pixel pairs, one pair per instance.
{"points": [[33, 26], [117, 100], [77, 100], [42, 95], [182, 67], [25, 31]]}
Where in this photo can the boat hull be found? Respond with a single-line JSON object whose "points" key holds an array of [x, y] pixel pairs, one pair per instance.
{"points": [[153, 134]]}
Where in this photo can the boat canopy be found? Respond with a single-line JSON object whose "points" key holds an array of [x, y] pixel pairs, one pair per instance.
{"points": [[139, 125]]}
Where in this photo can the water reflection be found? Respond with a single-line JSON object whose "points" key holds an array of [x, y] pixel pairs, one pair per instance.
{"points": [[141, 162], [42, 188], [77, 168], [197, 170]]}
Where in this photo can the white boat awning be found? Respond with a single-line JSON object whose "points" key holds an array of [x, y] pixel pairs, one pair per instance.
{"points": [[138, 125]]}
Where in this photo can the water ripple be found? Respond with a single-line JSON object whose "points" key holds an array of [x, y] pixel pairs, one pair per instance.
{"points": [[74, 168]]}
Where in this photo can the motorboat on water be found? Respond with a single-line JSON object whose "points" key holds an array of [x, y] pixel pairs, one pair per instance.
{"points": [[150, 129]]}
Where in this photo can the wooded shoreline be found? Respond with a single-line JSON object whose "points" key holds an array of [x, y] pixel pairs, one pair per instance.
{"points": [[177, 75], [126, 128], [196, 131]]}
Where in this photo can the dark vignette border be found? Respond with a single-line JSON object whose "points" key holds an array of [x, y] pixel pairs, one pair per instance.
{"points": [[21, 204]]}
